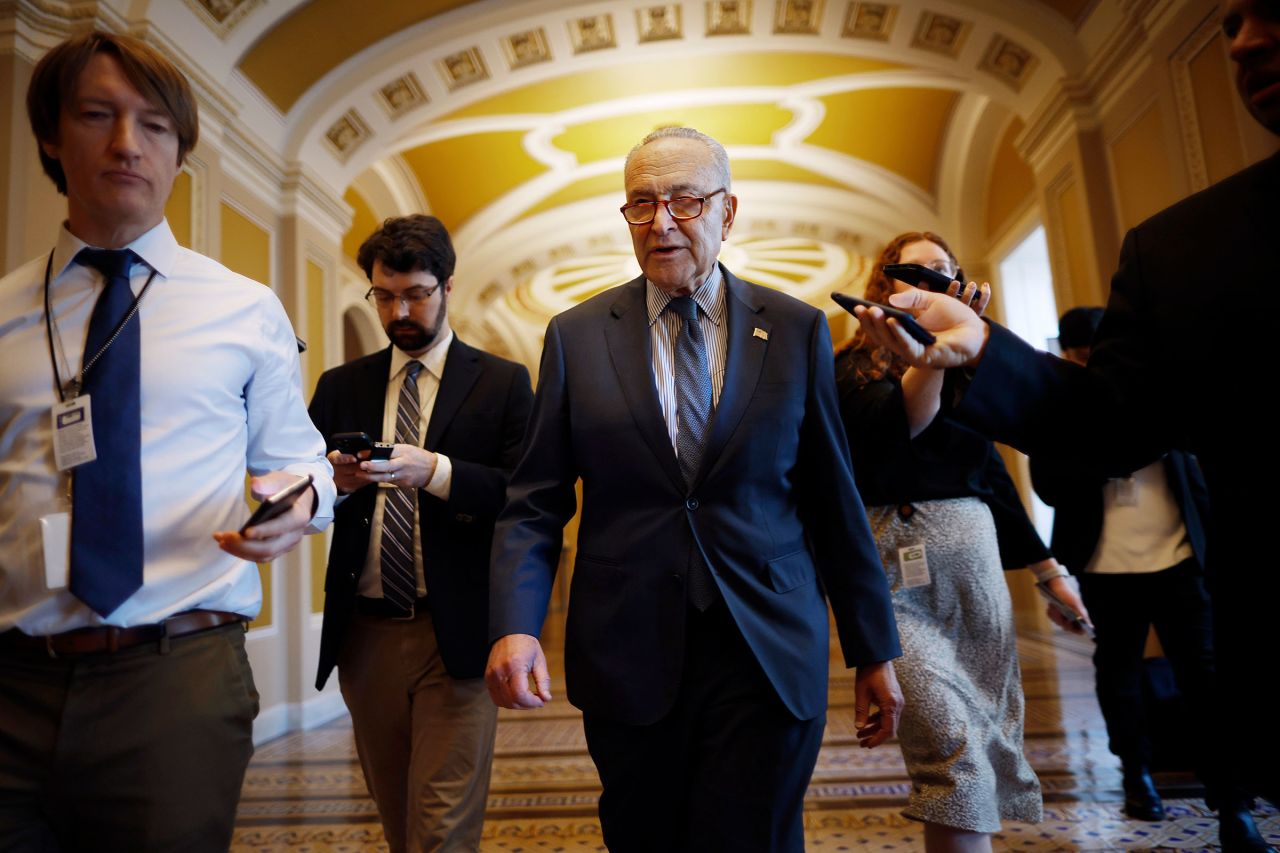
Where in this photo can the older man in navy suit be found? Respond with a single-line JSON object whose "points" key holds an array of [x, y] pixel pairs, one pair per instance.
{"points": [[719, 515]]}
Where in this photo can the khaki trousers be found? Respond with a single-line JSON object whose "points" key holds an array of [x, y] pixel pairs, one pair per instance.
{"points": [[425, 739]]}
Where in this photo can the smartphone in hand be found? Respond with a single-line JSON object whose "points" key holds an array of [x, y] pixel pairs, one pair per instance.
{"points": [[279, 503], [1066, 610], [917, 274], [914, 329], [351, 443]]}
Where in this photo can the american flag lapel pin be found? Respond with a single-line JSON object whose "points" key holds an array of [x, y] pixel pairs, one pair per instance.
{"points": [[760, 333]]}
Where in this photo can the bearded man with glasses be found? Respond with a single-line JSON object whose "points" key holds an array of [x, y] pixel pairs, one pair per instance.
{"points": [[719, 515], [406, 593]]}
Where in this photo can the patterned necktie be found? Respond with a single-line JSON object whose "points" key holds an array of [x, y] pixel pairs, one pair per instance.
{"points": [[399, 581], [106, 506], [693, 413]]}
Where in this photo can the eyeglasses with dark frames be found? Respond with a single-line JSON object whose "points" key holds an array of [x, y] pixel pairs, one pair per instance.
{"points": [[411, 298], [680, 208]]}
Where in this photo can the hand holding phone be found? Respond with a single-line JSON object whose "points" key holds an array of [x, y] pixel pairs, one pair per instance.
{"points": [[1066, 610], [913, 328], [917, 274], [352, 443], [279, 503]]}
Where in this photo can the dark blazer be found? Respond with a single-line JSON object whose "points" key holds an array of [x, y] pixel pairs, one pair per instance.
{"points": [[773, 509], [478, 421], [1184, 357], [1076, 494]]}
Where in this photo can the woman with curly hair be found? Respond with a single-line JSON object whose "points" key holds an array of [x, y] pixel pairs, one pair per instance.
{"points": [[947, 519]]}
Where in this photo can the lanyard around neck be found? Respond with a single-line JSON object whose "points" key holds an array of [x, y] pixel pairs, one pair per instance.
{"points": [[73, 386]]}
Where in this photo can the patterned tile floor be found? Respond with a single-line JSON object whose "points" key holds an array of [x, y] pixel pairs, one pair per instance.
{"points": [[305, 793]]}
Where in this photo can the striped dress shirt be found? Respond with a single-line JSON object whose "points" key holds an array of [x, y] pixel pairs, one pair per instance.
{"points": [[664, 327]]}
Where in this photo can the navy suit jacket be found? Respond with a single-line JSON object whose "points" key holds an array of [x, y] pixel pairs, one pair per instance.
{"points": [[773, 510], [478, 421]]}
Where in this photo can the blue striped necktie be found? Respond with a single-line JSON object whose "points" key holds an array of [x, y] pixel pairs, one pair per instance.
{"points": [[693, 413], [106, 505], [399, 580]]}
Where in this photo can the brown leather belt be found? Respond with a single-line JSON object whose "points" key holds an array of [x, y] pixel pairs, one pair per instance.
{"points": [[109, 638]]}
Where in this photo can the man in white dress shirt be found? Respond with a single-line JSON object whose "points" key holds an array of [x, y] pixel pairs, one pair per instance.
{"points": [[138, 382]]}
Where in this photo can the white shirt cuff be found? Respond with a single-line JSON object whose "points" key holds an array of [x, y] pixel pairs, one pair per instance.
{"points": [[441, 482]]}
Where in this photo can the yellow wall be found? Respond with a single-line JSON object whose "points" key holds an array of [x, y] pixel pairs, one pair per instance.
{"points": [[316, 360], [1141, 169], [1074, 233], [246, 246], [178, 209], [246, 249], [1215, 98], [1012, 184], [363, 223]]}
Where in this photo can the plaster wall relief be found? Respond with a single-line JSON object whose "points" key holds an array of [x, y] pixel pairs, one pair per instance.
{"points": [[1008, 61], [592, 33], [222, 16], [659, 23], [402, 95], [941, 33], [728, 17], [801, 17], [347, 134], [526, 48], [870, 21], [463, 68]]}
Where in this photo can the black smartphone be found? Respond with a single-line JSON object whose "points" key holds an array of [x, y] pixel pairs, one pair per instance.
{"points": [[1066, 610], [351, 443], [278, 503], [914, 329], [916, 274]]}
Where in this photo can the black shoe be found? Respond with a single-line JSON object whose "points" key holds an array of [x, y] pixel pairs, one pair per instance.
{"points": [[1238, 833], [1141, 802]]}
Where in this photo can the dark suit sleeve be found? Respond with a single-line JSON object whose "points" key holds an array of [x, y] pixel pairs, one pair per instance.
{"points": [[540, 501], [1020, 544], [1120, 413], [480, 490], [843, 548]]}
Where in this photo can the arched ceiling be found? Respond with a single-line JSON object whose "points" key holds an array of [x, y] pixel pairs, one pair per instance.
{"points": [[846, 122]]}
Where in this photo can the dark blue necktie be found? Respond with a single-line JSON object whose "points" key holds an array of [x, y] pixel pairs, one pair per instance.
{"points": [[693, 413], [106, 509]]}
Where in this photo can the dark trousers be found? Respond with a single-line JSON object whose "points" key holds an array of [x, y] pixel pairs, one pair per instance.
{"points": [[136, 750], [1122, 607], [725, 770]]}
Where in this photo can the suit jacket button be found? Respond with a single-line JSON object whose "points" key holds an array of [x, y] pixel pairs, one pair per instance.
{"points": [[677, 577], [691, 503]]}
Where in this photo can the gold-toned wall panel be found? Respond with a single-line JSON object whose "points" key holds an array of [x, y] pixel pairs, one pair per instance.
{"points": [[899, 129], [363, 223], [772, 170], [1073, 228], [331, 31], [731, 124], [1215, 96], [246, 247], [1141, 169], [464, 174], [178, 209], [586, 188], [1012, 184], [316, 360], [639, 78]]}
